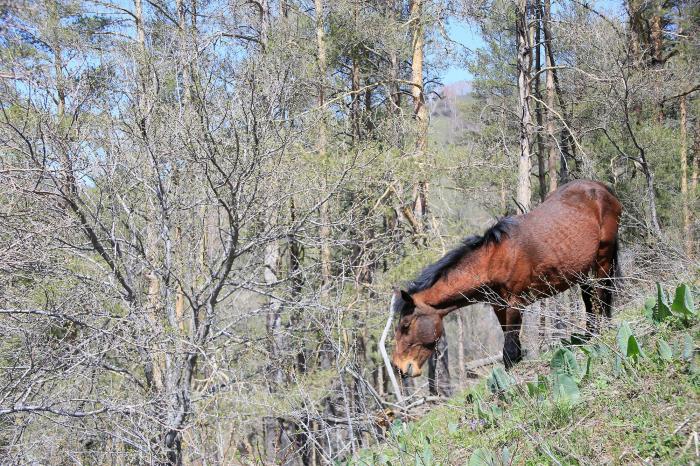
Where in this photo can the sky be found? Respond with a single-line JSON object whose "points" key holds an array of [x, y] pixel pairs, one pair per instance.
{"points": [[470, 38]]}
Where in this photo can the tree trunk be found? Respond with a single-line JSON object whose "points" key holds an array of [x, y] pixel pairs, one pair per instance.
{"points": [[567, 139], [657, 35], [541, 170], [439, 370], [684, 176], [460, 350], [324, 212], [551, 136], [420, 111], [355, 86], [524, 191], [635, 24], [694, 195]]}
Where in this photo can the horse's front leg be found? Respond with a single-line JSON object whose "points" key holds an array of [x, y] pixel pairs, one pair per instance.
{"points": [[510, 319]]}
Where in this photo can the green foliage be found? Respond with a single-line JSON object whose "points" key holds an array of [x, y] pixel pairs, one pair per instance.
{"points": [[564, 362], [649, 307], [564, 388], [627, 343], [487, 457], [487, 412], [574, 398], [539, 388], [683, 302], [661, 309], [688, 347], [499, 380], [664, 350], [682, 308]]}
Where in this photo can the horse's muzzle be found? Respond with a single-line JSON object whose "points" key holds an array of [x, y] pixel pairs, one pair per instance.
{"points": [[410, 370]]}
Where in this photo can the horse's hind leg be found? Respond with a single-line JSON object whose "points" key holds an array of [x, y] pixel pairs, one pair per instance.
{"points": [[510, 320], [590, 301], [597, 297]]}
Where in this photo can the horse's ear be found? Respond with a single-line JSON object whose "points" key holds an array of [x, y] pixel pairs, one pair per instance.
{"points": [[406, 297]]}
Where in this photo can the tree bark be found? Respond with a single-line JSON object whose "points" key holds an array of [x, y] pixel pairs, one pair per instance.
{"points": [[551, 132], [324, 212], [684, 176], [420, 110], [524, 60], [439, 370], [694, 195], [541, 170], [567, 140], [460, 350], [657, 34], [355, 86]]}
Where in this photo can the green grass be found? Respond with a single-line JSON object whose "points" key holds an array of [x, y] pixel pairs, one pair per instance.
{"points": [[642, 408]]}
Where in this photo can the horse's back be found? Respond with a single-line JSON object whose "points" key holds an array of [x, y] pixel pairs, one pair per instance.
{"points": [[578, 204], [563, 237]]}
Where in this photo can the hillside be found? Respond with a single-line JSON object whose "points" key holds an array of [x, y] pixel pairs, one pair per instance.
{"points": [[630, 396]]}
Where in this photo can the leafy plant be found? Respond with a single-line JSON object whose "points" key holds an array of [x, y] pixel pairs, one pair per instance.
{"points": [[627, 342], [538, 388], [499, 380], [664, 350], [688, 347], [565, 388], [661, 311], [487, 412], [565, 362], [683, 303], [487, 457]]}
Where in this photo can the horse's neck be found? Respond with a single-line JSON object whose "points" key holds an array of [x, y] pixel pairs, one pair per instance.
{"points": [[461, 286]]}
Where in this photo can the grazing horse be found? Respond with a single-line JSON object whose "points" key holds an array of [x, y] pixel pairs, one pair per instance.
{"points": [[517, 261]]}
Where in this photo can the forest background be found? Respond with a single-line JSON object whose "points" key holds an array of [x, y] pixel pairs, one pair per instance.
{"points": [[205, 204]]}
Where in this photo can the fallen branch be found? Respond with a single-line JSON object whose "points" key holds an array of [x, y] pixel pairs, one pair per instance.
{"points": [[385, 356], [475, 364]]}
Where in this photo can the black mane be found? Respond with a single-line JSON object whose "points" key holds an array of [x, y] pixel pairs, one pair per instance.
{"points": [[439, 269]]}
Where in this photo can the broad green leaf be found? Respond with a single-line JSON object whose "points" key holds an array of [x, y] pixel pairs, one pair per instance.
{"points": [[505, 456], [595, 350], [487, 412], [649, 305], [427, 455], [587, 370], [688, 347], [627, 342], [618, 366], [483, 457], [661, 310], [565, 362], [564, 388], [623, 336], [537, 388], [576, 339], [665, 351], [452, 427], [634, 350], [499, 380], [683, 302]]}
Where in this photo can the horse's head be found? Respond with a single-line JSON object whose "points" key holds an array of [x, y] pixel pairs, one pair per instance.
{"points": [[419, 329]]}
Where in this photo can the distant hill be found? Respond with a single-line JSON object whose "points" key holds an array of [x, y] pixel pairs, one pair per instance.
{"points": [[452, 119]]}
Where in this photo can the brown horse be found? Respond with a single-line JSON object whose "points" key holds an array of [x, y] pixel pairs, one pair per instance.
{"points": [[517, 261]]}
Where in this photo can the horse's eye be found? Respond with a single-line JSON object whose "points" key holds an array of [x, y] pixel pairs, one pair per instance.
{"points": [[404, 326]]}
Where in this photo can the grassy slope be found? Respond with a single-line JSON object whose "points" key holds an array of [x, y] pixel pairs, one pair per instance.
{"points": [[649, 412]]}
